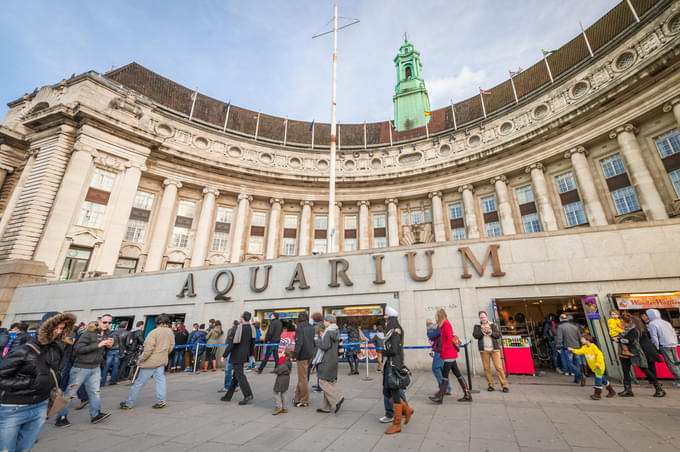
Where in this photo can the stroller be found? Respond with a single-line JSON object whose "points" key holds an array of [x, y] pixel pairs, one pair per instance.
{"points": [[543, 353]]}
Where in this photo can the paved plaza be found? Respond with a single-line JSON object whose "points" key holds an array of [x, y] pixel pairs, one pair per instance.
{"points": [[539, 413]]}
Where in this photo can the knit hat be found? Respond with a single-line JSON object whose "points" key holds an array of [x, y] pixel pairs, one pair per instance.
{"points": [[329, 318], [391, 312], [201, 326]]}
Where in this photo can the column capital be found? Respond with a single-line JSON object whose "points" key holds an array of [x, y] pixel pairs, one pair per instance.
{"points": [[243, 196], [433, 194], [139, 165], [211, 190], [498, 179], [668, 106], [575, 150], [278, 201], [338, 204], [80, 147], [174, 182], [364, 203], [469, 187], [33, 152], [307, 203], [538, 166], [621, 129], [392, 201]]}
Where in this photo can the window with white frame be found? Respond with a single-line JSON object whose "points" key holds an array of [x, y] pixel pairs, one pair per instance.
{"points": [[102, 179], [612, 166], [320, 246], [139, 216], [456, 221], [320, 222], [223, 218], [125, 266], [525, 194], [675, 180], [493, 229], [489, 204], [220, 241], [625, 200], [379, 220], [186, 209], [143, 200], [455, 211], [224, 215], [571, 202], [405, 218], [623, 195], [380, 242], [565, 183], [575, 214], [531, 223], [256, 244], [350, 222], [91, 214], [288, 246], [259, 219], [135, 230], [668, 146], [290, 221], [180, 237], [350, 245]]}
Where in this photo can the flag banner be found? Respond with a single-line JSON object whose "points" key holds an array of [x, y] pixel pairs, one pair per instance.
{"points": [[225, 108], [194, 95], [255, 116], [311, 126], [484, 91], [428, 113], [515, 73], [285, 121], [548, 52]]}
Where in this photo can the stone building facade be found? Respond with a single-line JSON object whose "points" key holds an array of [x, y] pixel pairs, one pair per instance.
{"points": [[105, 175]]}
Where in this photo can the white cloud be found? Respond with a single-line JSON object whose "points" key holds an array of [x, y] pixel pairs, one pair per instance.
{"points": [[457, 87]]}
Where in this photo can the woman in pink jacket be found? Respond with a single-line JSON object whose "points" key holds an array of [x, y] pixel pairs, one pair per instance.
{"points": [[449, 355]]}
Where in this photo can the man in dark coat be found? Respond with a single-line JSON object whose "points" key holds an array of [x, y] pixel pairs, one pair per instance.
{"points": [[22, 337], [273, 336], [303, 353], [569, 335], [241, 347]]}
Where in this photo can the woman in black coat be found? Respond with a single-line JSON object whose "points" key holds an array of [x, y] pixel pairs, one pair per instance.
{"points": [[394, 357], [631, 338], [651, 352]]}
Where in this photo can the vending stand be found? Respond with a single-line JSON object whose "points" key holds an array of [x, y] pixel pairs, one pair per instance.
{"points": [[517, 355]]}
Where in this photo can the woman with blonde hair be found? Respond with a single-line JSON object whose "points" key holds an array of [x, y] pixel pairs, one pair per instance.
{"points": [[449, 354]]}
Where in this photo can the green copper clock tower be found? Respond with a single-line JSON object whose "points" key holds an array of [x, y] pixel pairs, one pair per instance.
{"points": [[410, 96]]}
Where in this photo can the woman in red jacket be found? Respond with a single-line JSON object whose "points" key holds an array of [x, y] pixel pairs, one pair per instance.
{"points": [[449, 355]]}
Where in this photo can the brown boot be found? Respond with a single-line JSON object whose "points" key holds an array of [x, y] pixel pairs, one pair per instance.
{"points": [[597, 395], [205, 366], [214, 365], [407, 411], [610, 391], [467, 397], [396, 421], [438, 397]]}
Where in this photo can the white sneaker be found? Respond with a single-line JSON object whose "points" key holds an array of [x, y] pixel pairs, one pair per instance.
{"points": [[386, 420], [677, 384]]}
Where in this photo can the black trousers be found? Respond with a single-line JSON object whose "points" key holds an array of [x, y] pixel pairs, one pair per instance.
{"points": [[392, 394], [240, 378], [451, 366], [627, 366]]}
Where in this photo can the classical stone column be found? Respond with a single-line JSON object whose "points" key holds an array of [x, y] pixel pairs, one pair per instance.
{"points": [[438, 216], [674, 105], [545, 209], [392, 222], [640, 177], [16, 193], [503, 205], [240, 228], [121, 207], [205, 222], [305, 227], [66, 203], [336, 227], [273, 231], [471, 229], [591, 201], [159, 236], [363, 225]]}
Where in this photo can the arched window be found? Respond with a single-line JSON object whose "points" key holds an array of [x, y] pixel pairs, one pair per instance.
{"points": [[408, 73]]}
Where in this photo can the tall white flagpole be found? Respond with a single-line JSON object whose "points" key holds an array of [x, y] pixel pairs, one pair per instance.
{"points": [[590, 49], [364, 134], [453, 112], [545, 59], [226, 118], [427, 131], [285, 132], [389, 126], [257, 125], [334, 129], [193, 103], [514, 91], [312, 134], [481, 98], [630, 5]]}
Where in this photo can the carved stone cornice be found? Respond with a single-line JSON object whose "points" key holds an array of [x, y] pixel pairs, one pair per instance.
{"points": [[538, 166], [576, 150], [139, 165], [498, 179], [434, 194], [80, 147], [212, 190], [624, 128], [109, 162], [127, 105], [174, 182]]}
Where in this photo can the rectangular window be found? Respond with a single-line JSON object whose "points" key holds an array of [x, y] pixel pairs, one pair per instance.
{"points": [[290, 222], [220, 241], [625, 200], [428, 215], [489, 204], [493, 229], [574, 213], [186, 209], [259, 219], [224, 215], [350, 245], [75, 263], [321, 222], [458, 234], [174, 265], [675, 180], [135, 231], [180, 237], [612, 166], [525, 194], [256, 244], [668, 143], [125, 266], [379, 220], [288, 246], [319, 246], [565, 183], [350, 222], [91, 214], [143, 200], [416, 216], [405, 217], [531, 223], [455, 211], [102, 179], [380, 242]]}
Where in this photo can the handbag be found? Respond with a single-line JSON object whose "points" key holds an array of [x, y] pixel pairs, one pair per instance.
{"points": [[456, 343], [397, 378], [57, 400]]}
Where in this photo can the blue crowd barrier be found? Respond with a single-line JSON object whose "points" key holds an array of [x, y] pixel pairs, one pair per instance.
{"points": [[348, 346]]}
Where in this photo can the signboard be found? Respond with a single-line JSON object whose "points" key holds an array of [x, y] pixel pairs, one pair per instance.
{"points": [[663, 300], [590, 307]]}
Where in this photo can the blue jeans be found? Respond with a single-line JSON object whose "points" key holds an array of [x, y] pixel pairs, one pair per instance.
{"points": [[63, 384], [437, 366], [158, 374], [389, 407], [177, 358], [601, 381], [112, 362], [20, 426], [228, 372], [251, 363], [573, 363], [89, 378], [555, 355], [270, 350]]}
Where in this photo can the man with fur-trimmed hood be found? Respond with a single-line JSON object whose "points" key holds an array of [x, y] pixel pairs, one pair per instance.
{"points": [[27, 377]]}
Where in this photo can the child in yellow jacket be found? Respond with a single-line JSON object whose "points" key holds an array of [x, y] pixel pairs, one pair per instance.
{"points": [[615, 330], [595, 361]]}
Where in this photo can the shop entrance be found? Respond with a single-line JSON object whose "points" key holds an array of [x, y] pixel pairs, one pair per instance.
{"points": [[150, 321], [115, 323], [288, 318], [526, 336], [368, 317]]}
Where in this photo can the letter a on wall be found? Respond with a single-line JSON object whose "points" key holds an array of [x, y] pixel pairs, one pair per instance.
{"points": [[188, 287], [298, 277]]}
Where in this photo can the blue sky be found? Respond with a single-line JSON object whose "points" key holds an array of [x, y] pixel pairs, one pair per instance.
{"points": [[260, 54]]}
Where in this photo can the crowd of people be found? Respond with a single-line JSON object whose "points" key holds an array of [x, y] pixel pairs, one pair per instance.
{"points": [[78, 360]]}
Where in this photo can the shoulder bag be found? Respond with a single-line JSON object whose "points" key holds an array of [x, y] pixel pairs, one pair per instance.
{"points": [[456, 343], [57, 400], [397, 378]]}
